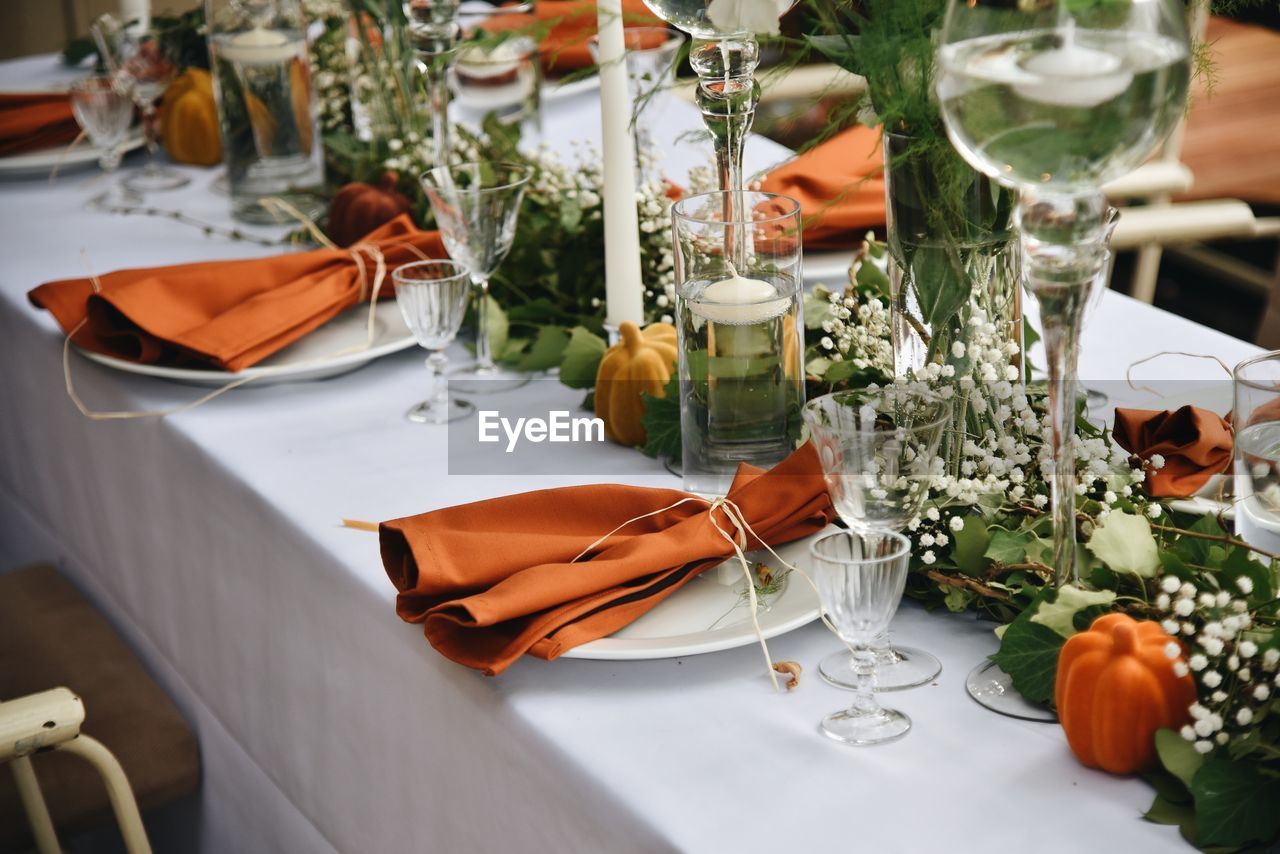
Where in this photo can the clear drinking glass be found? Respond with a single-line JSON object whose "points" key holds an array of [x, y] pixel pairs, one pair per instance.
{"points": [[476, 207], [104, 111], [652, 53], [434, 32], [432, 296], [878, 451], [1054, 99], [146, 69], [741, 332], [1256, 419], [502, 81], [860, 578]]}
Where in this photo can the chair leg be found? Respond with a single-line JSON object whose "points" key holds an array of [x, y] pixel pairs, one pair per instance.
{"points": [[33, 804], [1146, 273], [122, 800]]}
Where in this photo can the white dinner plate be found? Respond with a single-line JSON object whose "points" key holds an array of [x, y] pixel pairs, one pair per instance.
{"points": [[553, 91], [60, 157], [706, 615], [313, 357]]}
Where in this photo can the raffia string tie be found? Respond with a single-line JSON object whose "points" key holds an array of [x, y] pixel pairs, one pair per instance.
{"points": [[1128, 372]]}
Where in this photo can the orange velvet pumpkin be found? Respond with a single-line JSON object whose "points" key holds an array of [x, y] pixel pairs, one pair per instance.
{"points": [[1115, 687], [358, 209], [640, 363]]}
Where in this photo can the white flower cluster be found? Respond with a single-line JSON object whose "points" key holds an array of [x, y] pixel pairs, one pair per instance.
{"points": [[857, 331], [332, 68], [1236, 680]]}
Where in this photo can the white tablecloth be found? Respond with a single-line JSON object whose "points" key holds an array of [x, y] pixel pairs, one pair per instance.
{"points": [[212, 539]]}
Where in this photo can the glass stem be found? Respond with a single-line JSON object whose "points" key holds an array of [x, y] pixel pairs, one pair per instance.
{"points": [[438, 92], [439, 398], [149, 134], [864, 681], [484, 352], [1063, 237], [434, 32], [727, 96]]}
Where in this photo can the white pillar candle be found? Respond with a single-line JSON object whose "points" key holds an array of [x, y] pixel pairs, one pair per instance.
{"points": [[136, 11], [738, 300], [624, 289]]}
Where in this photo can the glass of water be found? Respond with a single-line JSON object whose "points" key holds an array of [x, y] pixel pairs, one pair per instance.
{"points": [[741, 332], [1256, 419], [432, 296], [860, 579], [104, 111]]}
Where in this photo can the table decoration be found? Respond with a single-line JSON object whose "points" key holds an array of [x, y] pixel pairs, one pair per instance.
{"points": [[1191, 444], [860, 577], [227, 315], [545, 571], [189, 120], [741, 330], [359, 208], [433, 296], [641, 363]]}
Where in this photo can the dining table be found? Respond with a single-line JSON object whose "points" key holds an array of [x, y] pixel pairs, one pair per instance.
{"points": [[213, 540]]}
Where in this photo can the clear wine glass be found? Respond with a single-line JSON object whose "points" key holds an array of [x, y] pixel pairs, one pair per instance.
{"points": [[476, 207], [724, 55], [860, 578], [104, 112], [146, 69], [878, 451], [432, 296], [652, 53], [1054, 100]]}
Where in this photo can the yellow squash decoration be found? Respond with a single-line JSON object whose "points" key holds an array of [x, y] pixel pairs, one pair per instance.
{"points": [[640, 363], [189, 122]]}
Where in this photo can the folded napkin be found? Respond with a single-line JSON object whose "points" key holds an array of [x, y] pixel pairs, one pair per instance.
{"points": [[227, 314], [35, 121], [839, 185], [573, 23], [1195, 443], [496, 579]]}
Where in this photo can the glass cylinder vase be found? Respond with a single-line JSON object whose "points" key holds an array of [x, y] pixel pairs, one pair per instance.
{"points": [[741, 333], [953, 256]]}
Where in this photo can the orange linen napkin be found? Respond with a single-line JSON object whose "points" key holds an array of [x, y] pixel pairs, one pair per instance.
{"points": [[495, 579], [227, 314], [573, 23], [1195, 443], [839, 185], [34, 121]]}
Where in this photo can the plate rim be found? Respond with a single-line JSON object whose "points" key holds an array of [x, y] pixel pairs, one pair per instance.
{"points": [[48, 158]]}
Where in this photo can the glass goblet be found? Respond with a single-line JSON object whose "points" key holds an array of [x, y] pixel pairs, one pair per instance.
{"points": [[432, 296], [878, 451], [104, 112], [652, 53], [146, 70], [860, 578], [476, 207]]}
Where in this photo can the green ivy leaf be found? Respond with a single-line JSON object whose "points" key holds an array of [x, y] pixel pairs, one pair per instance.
{"points": [[970, 546], [581, 359], [547, 349], [1177, 756], [661, 422], [1059, 615], [1235, 803], [872, 280], [1029, 654], [1123, 541], [499, 327], [940, 286], [1010, 546]]}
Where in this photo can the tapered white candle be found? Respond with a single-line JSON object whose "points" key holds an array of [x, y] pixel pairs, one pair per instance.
{"points": [[623, 286], [137, 11]]}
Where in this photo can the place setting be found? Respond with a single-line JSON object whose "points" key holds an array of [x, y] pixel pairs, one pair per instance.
{"points": [[830, 413]]}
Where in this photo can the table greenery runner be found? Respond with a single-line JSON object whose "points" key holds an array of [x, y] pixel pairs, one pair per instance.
{"points": [[982, 543]]}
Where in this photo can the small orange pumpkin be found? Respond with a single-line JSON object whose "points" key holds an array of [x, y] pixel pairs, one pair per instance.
{"points": [[640, 363], [1115, 687], [189, 120], [358, 209]]}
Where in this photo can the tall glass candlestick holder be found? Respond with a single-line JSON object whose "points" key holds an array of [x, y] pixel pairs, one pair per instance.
{"points": [[1055, 99], [434, 32]]}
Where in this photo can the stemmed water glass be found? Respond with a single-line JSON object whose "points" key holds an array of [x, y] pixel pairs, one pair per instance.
{"points": [[860, 578], [147, 70], [476, 207], [432, 296], [105, 111], [878, 451], [651, 66]]}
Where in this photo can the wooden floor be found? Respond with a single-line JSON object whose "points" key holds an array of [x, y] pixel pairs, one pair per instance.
{"points": [[1233, 135]]}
